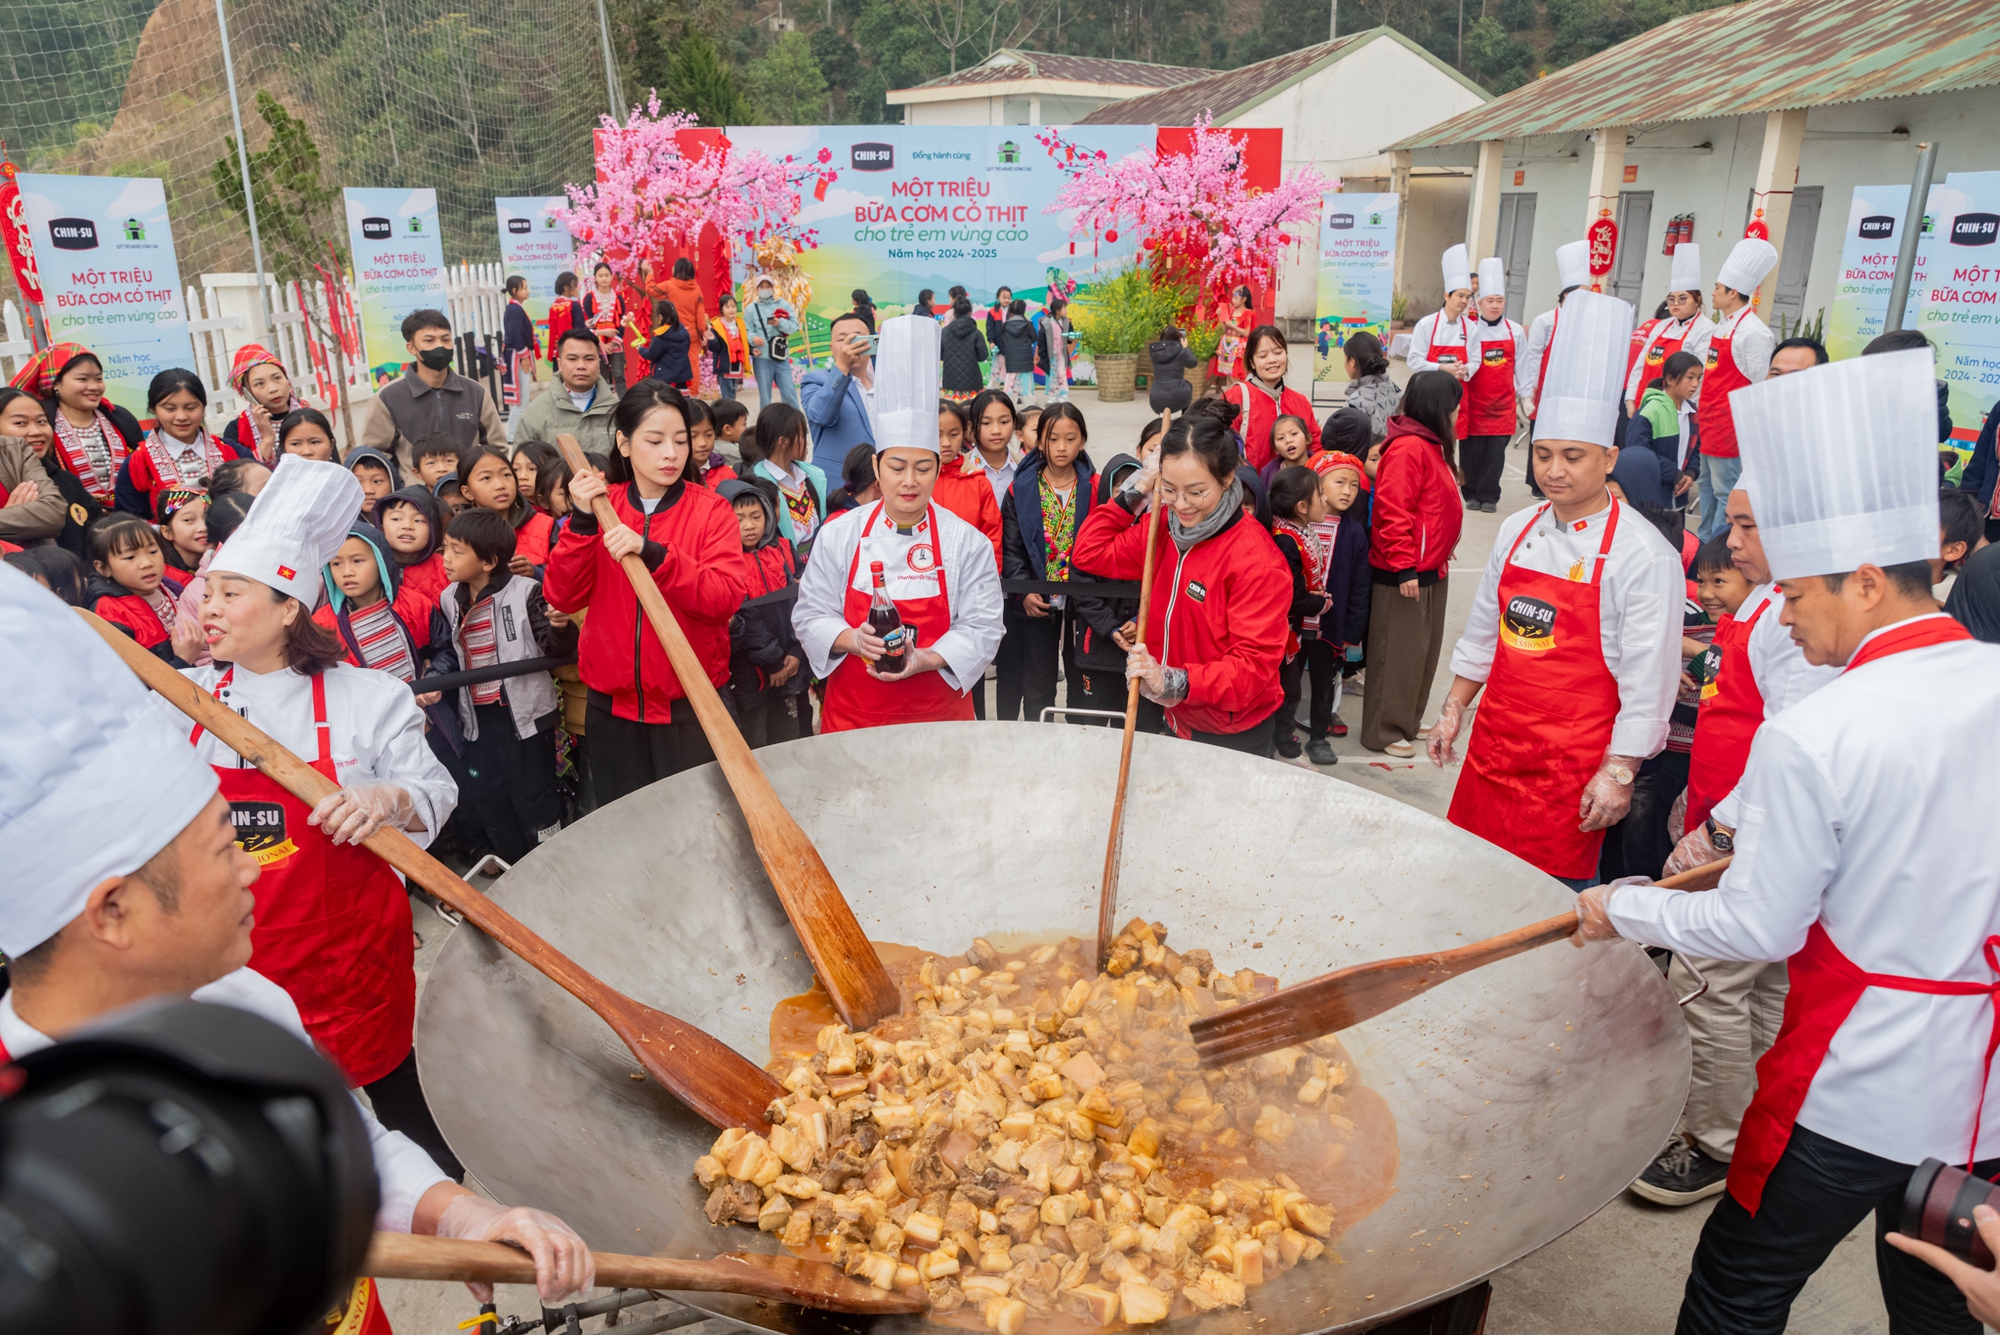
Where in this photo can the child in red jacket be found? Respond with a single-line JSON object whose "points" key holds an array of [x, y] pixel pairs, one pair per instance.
{"points": [[131, 589], [384, 622], [688, 538], [767, 672]]}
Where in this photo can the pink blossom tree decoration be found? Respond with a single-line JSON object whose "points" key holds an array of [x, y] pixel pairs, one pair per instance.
{"points": [[1196, 208]]}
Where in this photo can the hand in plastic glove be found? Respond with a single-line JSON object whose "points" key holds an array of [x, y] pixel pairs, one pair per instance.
{"points": [[1445, 731], [563, 1264], [350, 815], [1605, 800], [1593, 914], [1158, 683], [1694, 850], [1980, 1287]]}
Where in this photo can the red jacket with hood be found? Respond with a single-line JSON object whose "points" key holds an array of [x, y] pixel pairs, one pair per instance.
{"points": [[694, 547], [1261, 413], [1219, 610], [1417, 512]]}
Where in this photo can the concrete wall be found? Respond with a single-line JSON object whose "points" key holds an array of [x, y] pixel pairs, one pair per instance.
{"points": [[1846, 146]]}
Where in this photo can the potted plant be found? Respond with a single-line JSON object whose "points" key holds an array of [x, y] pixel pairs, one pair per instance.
{"points": [[1202, 340], [1116, 319]]}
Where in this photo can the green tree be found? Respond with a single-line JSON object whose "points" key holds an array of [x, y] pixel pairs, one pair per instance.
{"points": [[1496, 58], [785, 83], [297, 212], [699, 81]]}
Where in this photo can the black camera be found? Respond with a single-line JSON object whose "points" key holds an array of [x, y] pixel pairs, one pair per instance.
{"points": [[1937, 1208], [183, 1169]]}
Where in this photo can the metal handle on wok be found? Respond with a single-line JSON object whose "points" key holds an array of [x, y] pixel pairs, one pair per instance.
{"points": [[1701, 983], [486, 866], [1118, 714]]}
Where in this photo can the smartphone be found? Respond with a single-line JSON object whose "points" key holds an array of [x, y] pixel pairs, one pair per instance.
{"points": [[874, 342]]}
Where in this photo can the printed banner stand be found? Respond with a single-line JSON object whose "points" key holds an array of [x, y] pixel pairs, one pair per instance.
{"points": [[536, 245], [110, 275], [398, 268], [1357, 275], [1868, 267], [1960, 311]]}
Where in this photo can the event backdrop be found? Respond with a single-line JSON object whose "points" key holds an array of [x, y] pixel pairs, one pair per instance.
{"points": [[110, 275], [536, 246], [1868, 266], [1357, 275], [930, 207], [1960, 309], [398, 268]]}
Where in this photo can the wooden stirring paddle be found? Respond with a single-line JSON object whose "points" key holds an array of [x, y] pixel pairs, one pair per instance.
{"points": [[789, 1279], [841, 954], [711, 1078], [1339, 1000], [1114, 846]]}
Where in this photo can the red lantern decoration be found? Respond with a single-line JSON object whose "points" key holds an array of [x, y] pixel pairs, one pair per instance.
{"points": [[1111, 234]]}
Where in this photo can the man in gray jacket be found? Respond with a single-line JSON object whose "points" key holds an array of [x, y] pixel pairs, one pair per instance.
{"points": [[580, 405], [34, 510], [772, 324], [431, 398]]}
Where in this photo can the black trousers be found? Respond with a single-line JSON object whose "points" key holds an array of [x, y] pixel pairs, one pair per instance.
{"points": [[1639, 845], [1254, 740], [511, 782], [1045, 645], [1009, 670], [1747, 1270], [625, 755], [398, 1100], [1318, 661], [772, 717], [1481, 458]]}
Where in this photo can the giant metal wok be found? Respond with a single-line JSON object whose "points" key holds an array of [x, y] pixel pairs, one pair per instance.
{"points": [[1526, 1095]]}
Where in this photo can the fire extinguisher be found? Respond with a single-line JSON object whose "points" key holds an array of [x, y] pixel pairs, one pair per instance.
{"points": [[1673, 235], [1687, 227]]}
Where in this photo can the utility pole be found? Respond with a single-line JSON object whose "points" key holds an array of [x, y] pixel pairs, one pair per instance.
{"points": [[1913, 226], [1333, 26], [243, 164], [612, 91]]}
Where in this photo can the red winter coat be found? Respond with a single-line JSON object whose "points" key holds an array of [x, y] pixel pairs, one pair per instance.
{"points": [[1219, 611], [695, 550], [426, 577], [412, 607], [1260, 414], [1417, 511], [133, 614], [970, 497]]}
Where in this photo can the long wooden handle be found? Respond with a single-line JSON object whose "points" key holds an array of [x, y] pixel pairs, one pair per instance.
{"points": [[1114, 844], [1563, 925], [841, 954], [715, 1081]]}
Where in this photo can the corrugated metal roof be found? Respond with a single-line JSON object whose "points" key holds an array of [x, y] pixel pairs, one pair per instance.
{"points": [[1008, 65], [1236, 91], [1746, 59]]}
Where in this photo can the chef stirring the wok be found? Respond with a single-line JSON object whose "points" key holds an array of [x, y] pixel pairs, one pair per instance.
{"points": [[1854, 860], [1574, 634], [125, 882], [937, 568]]}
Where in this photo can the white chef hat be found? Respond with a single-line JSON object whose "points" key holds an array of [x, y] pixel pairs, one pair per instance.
{"points": [[1684, 274], [907, 370], [1572, 265], [294, 527], [1748, 264], [1585, 371], [94, 778], [1845, 457], [1492, 277], [1457, 270]]}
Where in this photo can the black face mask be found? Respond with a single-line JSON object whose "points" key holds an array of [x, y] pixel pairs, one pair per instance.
{"points": [[436, 359]]}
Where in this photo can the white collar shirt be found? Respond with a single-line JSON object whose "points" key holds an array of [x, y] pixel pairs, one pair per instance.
{"points": [[1779, 668]]}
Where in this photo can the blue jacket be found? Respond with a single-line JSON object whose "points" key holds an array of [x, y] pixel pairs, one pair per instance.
{"points": [[837, 415], [1024, 552], [668, 355], [1647, 466], [1983, 468], [1347, 582]]}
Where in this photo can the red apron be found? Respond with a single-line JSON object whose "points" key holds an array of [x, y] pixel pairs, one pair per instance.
{"points": [[856, 700], [1541, 732], [1719, 376], [1489, 394], [333, 921], [1450, 354], [1732, 709], [1651, 342], [1825, 985]]}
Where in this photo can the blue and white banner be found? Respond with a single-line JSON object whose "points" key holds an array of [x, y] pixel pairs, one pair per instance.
{"points": [[398, 268], [536, 245]]}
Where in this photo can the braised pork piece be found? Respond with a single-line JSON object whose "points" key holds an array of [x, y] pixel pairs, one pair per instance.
{"points": [[1033, 1139]]}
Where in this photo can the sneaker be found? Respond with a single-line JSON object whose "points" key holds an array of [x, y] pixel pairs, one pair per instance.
{"points": [[1320, 751], [1339, 728], [1490, 507], [1681, 1175], [1290, 748], [1400, 749]]}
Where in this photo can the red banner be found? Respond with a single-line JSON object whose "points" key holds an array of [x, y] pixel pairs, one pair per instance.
{"points": [[14, 230], [1603, 238]]}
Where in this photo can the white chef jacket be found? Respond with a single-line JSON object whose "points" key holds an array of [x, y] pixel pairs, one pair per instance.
{"points": [[1529, 367], [376, 731], [1434, 331], [972, 584], [1685, 331], [1751, 342], [1779, 668], [1866, 808], [402, 1170], [1641, 598]]}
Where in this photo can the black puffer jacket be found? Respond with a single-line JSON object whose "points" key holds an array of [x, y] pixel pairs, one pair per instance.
{"points": [[963, 348], [1017, 344], [1096, 618]]}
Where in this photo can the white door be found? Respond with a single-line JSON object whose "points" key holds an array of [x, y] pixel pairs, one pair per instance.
{"points": [[1516, 240], [1795, 265], [1628, 269]]}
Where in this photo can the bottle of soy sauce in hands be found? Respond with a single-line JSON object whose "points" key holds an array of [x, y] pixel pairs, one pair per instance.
{"points": [[886, 622]]}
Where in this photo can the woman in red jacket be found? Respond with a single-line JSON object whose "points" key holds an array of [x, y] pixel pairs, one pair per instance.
{"points": [[1416, 520], [1221, 591], [638, 728], [1263, 397]]}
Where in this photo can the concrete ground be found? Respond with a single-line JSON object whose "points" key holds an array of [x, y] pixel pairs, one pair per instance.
{"points": [[1621, 1271]]}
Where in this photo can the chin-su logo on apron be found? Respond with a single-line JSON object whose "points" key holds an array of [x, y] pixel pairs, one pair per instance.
{"points": [[1494, 356], [1529, 625], [260, 831]]}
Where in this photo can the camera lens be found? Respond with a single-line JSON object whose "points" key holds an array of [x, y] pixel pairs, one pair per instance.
{"points": [[1937, 1208]]}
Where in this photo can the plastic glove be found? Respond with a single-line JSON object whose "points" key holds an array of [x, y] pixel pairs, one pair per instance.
{"points": [[1605, 800], [1158, 683], [1445, 731], [563, 1263], [351, 814], [1593, 911], [1694, 850]]}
